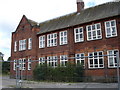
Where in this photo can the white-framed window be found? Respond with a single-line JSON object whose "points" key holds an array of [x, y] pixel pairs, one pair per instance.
{"points": [[80, 58], [22, 64], [63, 60], [63, 37], [15, 46], [22, 45], [14, 65], [96, 60], [29, 64], [94, 32], [52, 61], [42, 41], [29, 43], [52, 40], [110, 28], [79, 35], [42, 60], [112, 60]]}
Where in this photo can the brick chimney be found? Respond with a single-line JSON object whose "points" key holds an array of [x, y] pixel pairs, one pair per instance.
{"points": [[80, 5]]}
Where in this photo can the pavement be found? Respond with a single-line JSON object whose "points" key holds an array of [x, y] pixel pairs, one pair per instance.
{"points": [[11, 83]]}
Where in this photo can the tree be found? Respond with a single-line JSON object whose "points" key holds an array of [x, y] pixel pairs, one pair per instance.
{"points": [[6, 67]]}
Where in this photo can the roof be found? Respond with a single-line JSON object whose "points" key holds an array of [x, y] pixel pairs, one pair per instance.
{"points": [[33, 23], [87, 15]]}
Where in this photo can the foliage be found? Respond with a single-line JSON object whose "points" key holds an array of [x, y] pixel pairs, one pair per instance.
{"points": [[6, 67], [70, 73]]}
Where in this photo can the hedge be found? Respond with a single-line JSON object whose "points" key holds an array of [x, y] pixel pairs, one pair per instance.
{"points": [[70, 73]]}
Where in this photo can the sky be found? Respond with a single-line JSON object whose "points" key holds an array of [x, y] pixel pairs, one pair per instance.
{"points": [[11, 12]]}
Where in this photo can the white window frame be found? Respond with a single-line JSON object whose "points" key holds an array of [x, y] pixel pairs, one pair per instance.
{"points": [[41, 60], [52, 61], [20, 64], [80, 58], [23, 64], [29, 64], [52, 40], [63, 37], [42, 41], [113, 58], [15, 46], [29, 43], [92, 58], [63, 60], [110, 29], [94, 32], [14, 65], [78, 32], [22, 44]]}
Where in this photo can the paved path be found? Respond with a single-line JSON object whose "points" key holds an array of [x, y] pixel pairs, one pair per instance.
{"points": [[10, 83]]}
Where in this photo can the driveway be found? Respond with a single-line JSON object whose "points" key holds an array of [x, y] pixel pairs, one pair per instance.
{"points": [[11, 83]]}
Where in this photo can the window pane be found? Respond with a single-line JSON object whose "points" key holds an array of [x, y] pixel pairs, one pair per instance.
{"points": [[81, 30], [98, 26], [111, 61], [98, 32], [89, 28], [112, 23], [100, 61], [81, 36], [93, 27], [95, 61], [113, 30], [91, 61], [76, 30], [107, 24]]}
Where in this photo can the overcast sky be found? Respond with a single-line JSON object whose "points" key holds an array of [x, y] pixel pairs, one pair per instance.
{"points": [[11, 12]]}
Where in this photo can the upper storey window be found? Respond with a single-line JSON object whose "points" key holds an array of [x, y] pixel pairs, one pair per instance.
{"points": [[30, 43], [52, 40], [22, 45], [42, 41], [63, 37], [94, 32], [110, 28], [78, 32], [15, 46]]}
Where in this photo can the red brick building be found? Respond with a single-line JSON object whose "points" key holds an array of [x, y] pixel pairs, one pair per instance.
{"points": [[91, 32]]}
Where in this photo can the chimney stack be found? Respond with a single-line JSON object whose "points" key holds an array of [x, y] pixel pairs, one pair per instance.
{"points": [[80, 5]]}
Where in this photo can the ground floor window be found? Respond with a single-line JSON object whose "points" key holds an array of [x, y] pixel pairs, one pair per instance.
{"points": [[63, 60], [112, 60], [95, 60], [52, 61], [29, 64], [42, 60], [22, 64], [14, 65], [80, 58]]}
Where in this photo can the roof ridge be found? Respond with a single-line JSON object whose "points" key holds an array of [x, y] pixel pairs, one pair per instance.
{"points": [[57, 17]]}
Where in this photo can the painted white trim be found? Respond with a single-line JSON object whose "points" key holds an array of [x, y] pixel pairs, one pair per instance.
{"points": [[79, 39], [42, 41], [93, 31], [110, 29], [64, 36]]}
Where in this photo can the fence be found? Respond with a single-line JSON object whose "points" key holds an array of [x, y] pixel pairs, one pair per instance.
{"points": [[19, 78]]}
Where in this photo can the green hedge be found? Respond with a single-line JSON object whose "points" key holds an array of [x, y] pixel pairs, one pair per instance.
{"points": [[70, 73]]}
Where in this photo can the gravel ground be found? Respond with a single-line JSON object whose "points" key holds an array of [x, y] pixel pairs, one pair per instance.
{"points": [[10, 83]]}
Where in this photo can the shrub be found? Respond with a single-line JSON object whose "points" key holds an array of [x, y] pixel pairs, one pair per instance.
{"points": [[70, 73]]}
